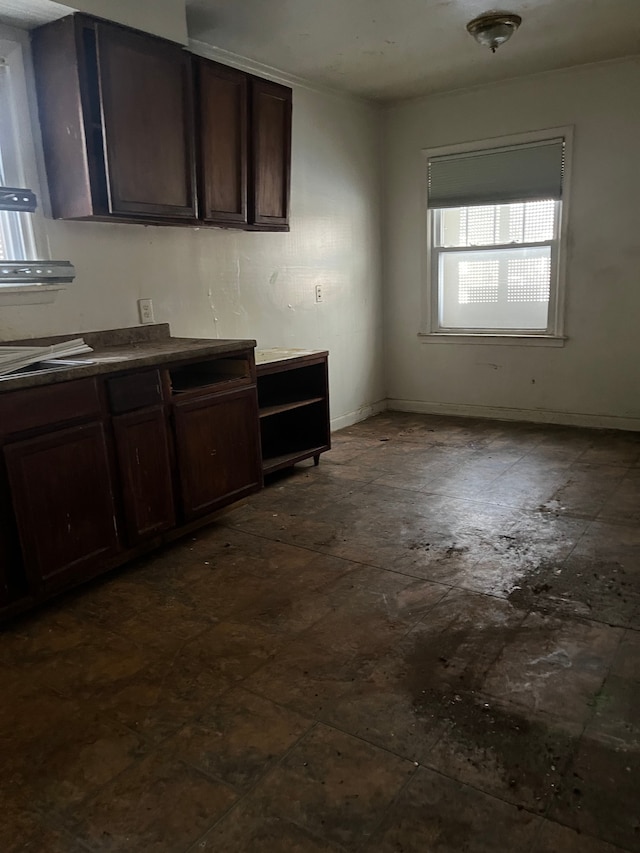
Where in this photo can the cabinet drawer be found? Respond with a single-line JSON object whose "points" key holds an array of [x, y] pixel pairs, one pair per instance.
{"points": [[135, 391], [53, 404]]}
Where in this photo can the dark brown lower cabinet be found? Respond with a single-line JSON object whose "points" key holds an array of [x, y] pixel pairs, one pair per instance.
{"points": [[97, 471], [63, 504], [293, 400], [218, 449], [12, 586], [144, 462], [5, 584]]}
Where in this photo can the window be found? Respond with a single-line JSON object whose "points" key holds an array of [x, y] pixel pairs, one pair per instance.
{"points": [[495, 219], [26, 274]]}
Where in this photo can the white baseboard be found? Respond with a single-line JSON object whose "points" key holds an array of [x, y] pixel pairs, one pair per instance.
{"points": [[359, 415], [506, 414]]}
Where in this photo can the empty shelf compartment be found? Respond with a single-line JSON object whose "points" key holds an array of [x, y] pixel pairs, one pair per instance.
{"points": [[215, 371]]}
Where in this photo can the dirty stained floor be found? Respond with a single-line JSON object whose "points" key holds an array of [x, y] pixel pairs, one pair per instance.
{"points": [[429, 643]]}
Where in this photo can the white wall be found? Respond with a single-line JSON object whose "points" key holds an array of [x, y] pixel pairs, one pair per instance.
{"points": [[216, 283], [232, 284], [595, 378]]}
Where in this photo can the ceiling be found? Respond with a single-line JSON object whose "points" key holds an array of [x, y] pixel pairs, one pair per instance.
{"points": [[31, 13], [390, 49]]}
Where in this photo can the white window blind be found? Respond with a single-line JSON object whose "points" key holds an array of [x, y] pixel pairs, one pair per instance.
{"points": [[514, 173]]}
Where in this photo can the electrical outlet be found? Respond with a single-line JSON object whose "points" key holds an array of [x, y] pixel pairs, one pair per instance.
{"points": [[145, 309], [319, 293]]}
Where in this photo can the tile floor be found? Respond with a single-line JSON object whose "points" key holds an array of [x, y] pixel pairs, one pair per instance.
{"points": [[429, 643]]}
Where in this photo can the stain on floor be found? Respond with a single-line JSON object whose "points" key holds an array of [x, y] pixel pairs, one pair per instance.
{"points": [[428, 644]]}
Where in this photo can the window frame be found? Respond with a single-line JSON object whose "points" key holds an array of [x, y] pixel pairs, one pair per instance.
{"points": [[430, 330], [22, 150]]}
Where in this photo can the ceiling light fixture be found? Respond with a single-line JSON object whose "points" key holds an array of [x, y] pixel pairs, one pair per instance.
{"points": [[494, 28]]}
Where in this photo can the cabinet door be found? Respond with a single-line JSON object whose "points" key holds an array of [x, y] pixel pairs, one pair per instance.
{"points": [[142, 443], [13, 583], [222, 101], [271, 145], [147, 115], [218, 450], [63, 503]]}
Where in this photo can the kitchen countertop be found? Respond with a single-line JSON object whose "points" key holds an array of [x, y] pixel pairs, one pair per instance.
{"points": [[268, 356], [122, 349]]}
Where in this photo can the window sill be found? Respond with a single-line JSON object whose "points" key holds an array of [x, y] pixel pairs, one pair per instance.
{"points": [[499, 340], [29, 294]]}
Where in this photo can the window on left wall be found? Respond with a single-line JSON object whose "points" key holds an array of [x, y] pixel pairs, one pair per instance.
{"points": [[28, 275]]}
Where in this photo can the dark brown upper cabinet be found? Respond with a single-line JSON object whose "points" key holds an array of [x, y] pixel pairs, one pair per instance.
{"points": [[116, 114], [137, 129], [271, 153], [222, 101]]}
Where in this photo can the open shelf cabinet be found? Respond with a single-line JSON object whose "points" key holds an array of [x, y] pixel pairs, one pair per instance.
{"points": [[293, 401]]}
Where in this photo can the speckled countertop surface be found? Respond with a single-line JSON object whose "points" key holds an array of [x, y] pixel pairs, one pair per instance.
{"points": [[267, 356], [122, 349]]}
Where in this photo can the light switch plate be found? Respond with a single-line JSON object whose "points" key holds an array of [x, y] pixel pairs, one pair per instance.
{"points": [[319, 293], [145, 309]]}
